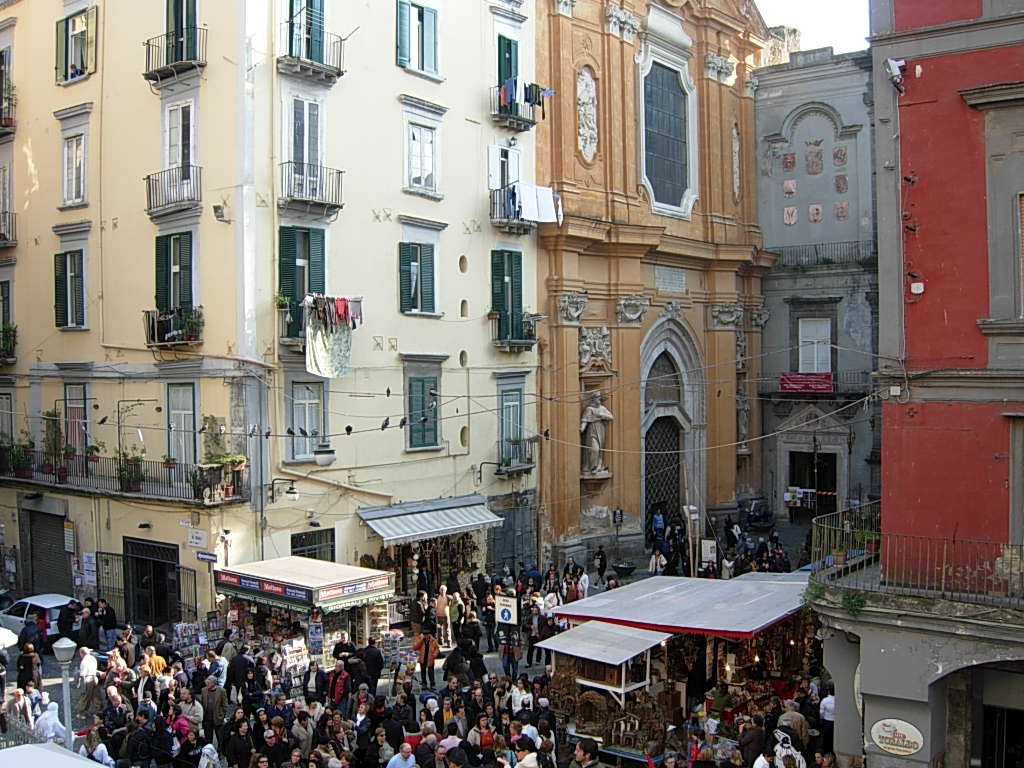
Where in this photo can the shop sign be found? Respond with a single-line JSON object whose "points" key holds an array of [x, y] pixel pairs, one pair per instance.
{"points": [[259, 585], [806, 382], [355, 588], [897, 737]]}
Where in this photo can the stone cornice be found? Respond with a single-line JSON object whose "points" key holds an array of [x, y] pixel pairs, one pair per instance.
{"points": [[995, 96]]}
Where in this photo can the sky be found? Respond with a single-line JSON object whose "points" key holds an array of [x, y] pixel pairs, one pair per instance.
{"points": [[843, 24]]}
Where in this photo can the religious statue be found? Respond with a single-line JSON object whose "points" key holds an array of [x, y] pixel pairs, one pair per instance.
{"points": [[592, 427]]}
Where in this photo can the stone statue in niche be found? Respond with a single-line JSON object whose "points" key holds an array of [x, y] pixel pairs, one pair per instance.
{"points": [[736, 161], [586, 114], [742, 417], [593, 427], [741, 349], [595, 347]]}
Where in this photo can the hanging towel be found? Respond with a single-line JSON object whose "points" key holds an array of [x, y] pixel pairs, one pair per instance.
{"points": [[546, 205], [328, 353], [341, 308], [355, 310], [528, 202]]}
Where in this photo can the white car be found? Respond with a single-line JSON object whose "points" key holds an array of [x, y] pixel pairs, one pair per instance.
{"points": [[14, 617]]}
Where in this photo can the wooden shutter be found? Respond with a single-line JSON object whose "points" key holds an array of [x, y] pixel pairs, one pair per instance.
{"points": [[508, 58], [499, 303], [494, 167], [515, 270], [402, 34], [60, 290], [5, 303], [77, 310], [60, 64], [286, 263], [422, 434], [317, 272], [315, 20], [405, 277], [429, 40], [426, 278], [91, 30], [162, 264], [185, 269]]}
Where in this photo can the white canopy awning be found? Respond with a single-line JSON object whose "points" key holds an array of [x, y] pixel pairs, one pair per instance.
{"points": [[600, 641], [418, 520], [44, 756]]}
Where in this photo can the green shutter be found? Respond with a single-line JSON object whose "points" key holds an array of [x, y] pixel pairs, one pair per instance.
{"points": [[426, 278], [92, 28], [5, 302], [422, 434], [60, 63], [508, 58], [163, 273], [515, 264], [286, 263], [317, 276], [430, 428], [185, 269], [402, 34], [405, 277], [315, 21], [429, 40], [78, 289], [498, 303], [60, 290]]}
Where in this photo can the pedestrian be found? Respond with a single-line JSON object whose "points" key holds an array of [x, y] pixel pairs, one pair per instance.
{"points": [[28, 665], [107, 619], [426, 646]]}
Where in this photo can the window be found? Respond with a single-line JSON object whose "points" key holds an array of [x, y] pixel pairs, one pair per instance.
{"points": [[69, 289], [5, 302], [424, 397], [416, 277], [181, 422], [74, 169], [306, 28], [507, 292], [512, 449], [76, 46], [181, 29], [422, 157], [503, 164], [300, 268], [665, 134], [815, 334], [6, 418], [508, 59], [318, 545], [76, 416], [180, 131], [174, 272], [417, 37], [307, 416]]}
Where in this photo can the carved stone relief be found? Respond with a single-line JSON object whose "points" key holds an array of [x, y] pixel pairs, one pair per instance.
{"points": [[565, 7], [742, 417], [759, 317], [571, 306], [621, 22], [741, 349], [726, 315], [751, 87], [718, 67], [631, 309], [595, 347], [586, 114], [672, 310]]}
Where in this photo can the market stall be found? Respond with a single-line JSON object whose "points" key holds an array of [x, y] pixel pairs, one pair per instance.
{"points": [[428, 543], [302, 606], [742, 640]]}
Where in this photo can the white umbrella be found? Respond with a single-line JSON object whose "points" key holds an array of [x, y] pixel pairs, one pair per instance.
{"points": [[7, 638]]}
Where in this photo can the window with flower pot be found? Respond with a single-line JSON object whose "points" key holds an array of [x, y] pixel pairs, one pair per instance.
{"points": [[76, 45]]}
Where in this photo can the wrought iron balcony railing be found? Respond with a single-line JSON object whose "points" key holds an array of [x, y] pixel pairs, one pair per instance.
{"points": [[8, 100], [507, 210], [515, 456], [850, 551], [8, 229], [514, 331], [178, 327], [842, 382], [175, 52], [511, 112], [310, 51], [8, 344], [861, 252], [173, 190], [311, 188]]}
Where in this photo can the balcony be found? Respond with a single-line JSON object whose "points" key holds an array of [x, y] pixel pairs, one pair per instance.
{"points": [[514, 331], [8, 344], [515, 457], [171, 55], [849, 551], [291, 321], [512, 113], [507, 210], [792, 383], [175, 190], [850, 253], [311, 189], [176, 328], [311, 53], [8, 229], [206, 484], [8, 100]]}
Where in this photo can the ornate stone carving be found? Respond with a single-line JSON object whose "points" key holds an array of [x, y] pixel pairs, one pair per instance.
{"points": [[741, 349], [726, 315], [593, 427], [621, 22], [631, 309], [571, 306], [672, 310], [759, 317], [736, 161], [586, 114], [750, 90], [595, 347], [565, 7], [718, 67]]}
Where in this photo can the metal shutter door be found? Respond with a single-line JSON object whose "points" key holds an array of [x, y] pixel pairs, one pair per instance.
{"points": [[51, 570]]}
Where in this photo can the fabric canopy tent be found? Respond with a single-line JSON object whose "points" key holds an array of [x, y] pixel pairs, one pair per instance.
{"points": [[607, 643], [305, 583], [44, 756], [417, 520], [736, 608]]}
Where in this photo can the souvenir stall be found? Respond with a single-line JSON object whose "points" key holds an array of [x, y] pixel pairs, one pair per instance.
{"points": [[301, 606], [717, 648], [427, 543]]}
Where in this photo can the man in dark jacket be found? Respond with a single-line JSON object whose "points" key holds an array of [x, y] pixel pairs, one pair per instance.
{"points": [[373, 661], [66, 619], [394, 733], [30, 634], [108, 624], [240, 663], [752, 739]]}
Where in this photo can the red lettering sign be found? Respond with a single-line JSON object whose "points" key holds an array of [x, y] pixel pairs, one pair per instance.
{"points": [[330, 592], [227, 578], [379, 583], [805, 382], [271, 587]]}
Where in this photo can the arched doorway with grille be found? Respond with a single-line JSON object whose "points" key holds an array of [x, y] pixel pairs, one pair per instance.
{"points": [[672, 426]]}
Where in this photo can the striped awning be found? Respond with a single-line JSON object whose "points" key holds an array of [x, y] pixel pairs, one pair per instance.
{"points": [[416, 520]]}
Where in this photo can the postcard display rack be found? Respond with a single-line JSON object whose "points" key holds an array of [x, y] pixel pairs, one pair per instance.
{"points": [[193, 639]]}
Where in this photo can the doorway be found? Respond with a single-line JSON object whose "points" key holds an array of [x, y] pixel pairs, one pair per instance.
{"points": [[1003, 738], [663, 481], [816, 471], [157, 590]]}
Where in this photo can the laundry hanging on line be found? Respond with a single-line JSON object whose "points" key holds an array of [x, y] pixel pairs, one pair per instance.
{"points": [[329, 322]]}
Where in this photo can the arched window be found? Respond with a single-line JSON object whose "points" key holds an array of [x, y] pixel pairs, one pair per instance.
{"points": [[664, 384]]}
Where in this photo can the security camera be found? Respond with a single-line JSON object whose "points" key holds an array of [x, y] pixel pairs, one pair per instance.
{"points": [[894, 71]]}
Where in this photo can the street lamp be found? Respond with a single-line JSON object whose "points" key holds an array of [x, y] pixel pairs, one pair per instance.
{"points": [[64, 650]]}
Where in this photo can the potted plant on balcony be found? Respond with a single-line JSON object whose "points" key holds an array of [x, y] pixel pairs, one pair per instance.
{"points": [[282, 300], [69, 451], [867, 539], [62, 474], [192, 328], [130, 472], [21, 460], [170, 462], [53, 442], [8, 331], [234, 461], [92, 451]]}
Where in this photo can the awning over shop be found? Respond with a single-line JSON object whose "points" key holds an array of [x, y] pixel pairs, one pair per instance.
{"points": [[600, 641], [303, 583], [416, 520], [735, 608]]}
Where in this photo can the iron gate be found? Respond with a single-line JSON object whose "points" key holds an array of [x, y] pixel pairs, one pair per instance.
{"points": [[117, 582], [662, 481], [514, 541]]}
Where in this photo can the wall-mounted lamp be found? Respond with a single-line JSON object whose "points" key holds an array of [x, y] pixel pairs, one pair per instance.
{"points": [[323, 454], [220, 213], [291, 492]]}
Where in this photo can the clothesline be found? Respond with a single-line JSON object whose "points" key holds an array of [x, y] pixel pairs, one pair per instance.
{"points": [[332, 311]]}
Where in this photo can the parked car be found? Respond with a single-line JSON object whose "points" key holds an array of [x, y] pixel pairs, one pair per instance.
{"points": [[49, 605]]}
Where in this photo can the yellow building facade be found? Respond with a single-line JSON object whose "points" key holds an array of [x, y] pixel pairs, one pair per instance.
{"points": [[652, 280]]}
